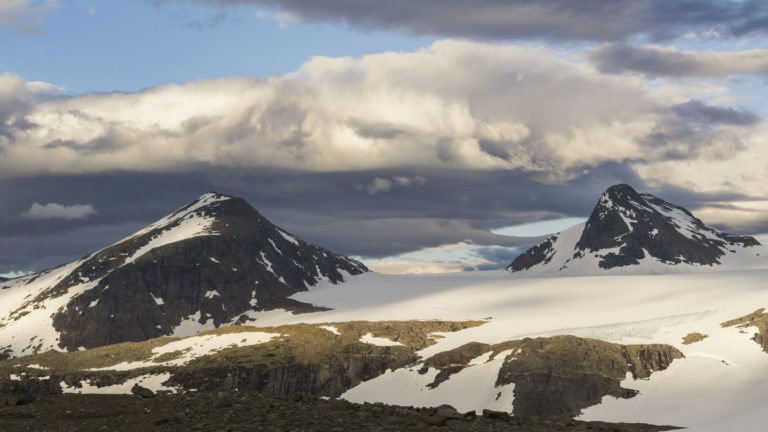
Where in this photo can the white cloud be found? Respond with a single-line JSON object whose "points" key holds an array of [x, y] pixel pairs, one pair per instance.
{"points": [[380, 184], [15, 274], [457, 105], [25, 14], [59, 211]]}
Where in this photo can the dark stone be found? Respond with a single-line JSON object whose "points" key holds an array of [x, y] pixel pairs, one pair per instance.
{"points": [[223, 400], [449, 412], [18, 397], [496, 415], [142, 391]]}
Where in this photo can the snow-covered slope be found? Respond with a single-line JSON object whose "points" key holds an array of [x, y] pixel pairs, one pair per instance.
{"points": [[634, 233], [718, 385], [200, 267]]}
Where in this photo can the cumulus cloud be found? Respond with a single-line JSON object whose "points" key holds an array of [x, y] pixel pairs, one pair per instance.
{"points": [[380, 184], [59, 211], [25, 15], [552, 19], [457, 105], [672, 62]]}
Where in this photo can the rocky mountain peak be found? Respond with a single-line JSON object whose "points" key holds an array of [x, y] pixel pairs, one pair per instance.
{"points": [[209, 263], [626, 228]]}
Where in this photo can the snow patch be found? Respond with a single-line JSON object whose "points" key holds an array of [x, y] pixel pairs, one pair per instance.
{"points": [[331, 329], [369, 338], [288, 237], [153, 382]]}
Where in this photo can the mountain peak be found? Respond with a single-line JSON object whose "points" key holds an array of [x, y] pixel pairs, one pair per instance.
{"points": [[627, 228], [211, 262]]}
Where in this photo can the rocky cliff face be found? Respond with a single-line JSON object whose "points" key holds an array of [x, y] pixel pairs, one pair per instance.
{"points": [[627, 228], [204, 265], [310, 359], [557, 377], [554, 377]]}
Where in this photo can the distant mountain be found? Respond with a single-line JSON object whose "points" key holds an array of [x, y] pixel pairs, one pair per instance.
{"points": [[640, 233], [205, 265]]}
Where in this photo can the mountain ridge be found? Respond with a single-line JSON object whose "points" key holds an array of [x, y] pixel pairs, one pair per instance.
{"points": [[627, 229]]}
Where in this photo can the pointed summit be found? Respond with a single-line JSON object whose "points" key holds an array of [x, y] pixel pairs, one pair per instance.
{"points": [[207, 264], [627, 229]]}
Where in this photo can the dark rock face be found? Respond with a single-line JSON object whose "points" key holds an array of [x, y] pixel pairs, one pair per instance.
{"points": [[142, 391], [625, 226], [541, 253], [557, 377], [241, 262]]}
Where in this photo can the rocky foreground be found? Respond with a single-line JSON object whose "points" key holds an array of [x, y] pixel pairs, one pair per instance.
{"points": [[240, 411]]}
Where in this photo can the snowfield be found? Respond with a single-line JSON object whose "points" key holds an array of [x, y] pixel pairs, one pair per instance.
{"points": [[719, 385]]}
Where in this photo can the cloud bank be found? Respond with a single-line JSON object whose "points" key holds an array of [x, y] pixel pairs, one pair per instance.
{"points": [[456, 105], [590, 20], [672, 62]]}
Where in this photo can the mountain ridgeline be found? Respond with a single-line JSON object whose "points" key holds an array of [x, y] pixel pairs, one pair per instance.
{"points": [[628, 229], [207, 263]]}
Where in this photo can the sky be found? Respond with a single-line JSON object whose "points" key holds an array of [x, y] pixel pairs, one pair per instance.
{"points": [[418, 136]]}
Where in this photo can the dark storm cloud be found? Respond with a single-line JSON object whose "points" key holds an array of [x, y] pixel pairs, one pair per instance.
{"points": [[671, 62], [592, 20], [321, 208], [699, 112]]}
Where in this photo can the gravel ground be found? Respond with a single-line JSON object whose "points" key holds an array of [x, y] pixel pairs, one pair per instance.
{"points": [[225, 411]]}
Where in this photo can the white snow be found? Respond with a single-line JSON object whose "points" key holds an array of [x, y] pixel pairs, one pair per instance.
{"points": [[191, 325], [471, 389], [36, 366], [369, 338], [184, 212], [274, 246], [266, 263], [214, 260], [211, 294], [158, 300], [196, 346], [330, 328], [724, 373], [192, 225], [288, 237], [153, 382], [201, 345]]}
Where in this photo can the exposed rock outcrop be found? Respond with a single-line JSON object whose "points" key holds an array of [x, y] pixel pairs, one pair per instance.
{"points": [[757, 319], [304, 359], [557, 377], [693, 338]]}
